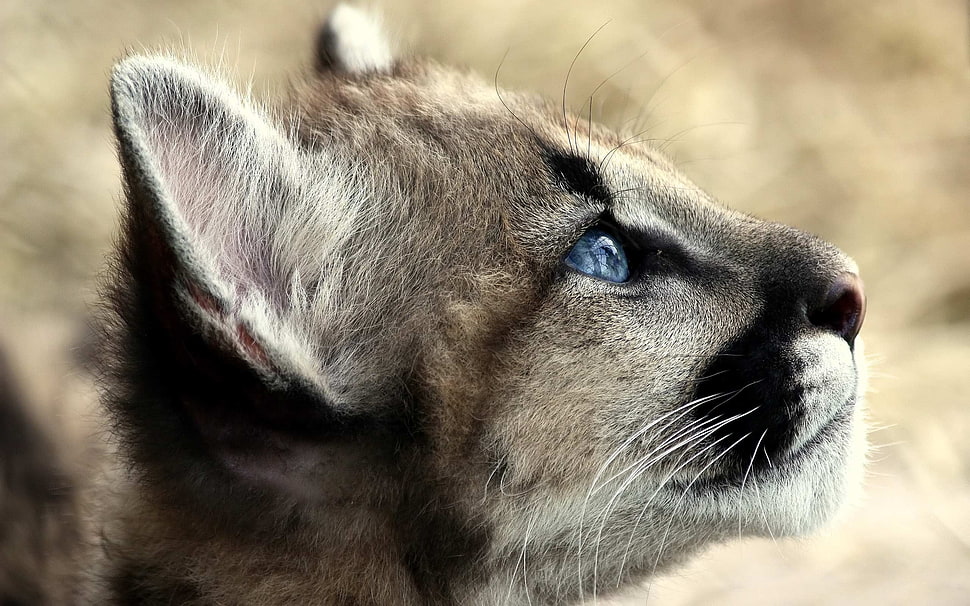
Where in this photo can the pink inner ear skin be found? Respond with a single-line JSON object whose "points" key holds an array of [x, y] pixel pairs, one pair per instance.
{"points": [[251, 345], [206, 301], [244, 337]]}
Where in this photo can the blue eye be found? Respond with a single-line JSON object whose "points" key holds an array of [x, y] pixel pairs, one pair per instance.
{"points": [[600, 255]]}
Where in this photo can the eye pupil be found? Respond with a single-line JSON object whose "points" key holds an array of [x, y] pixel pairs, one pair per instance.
{"points": [[600, 255]]}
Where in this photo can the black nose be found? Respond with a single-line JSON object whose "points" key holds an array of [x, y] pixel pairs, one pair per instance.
{"points": [[843, 308]]}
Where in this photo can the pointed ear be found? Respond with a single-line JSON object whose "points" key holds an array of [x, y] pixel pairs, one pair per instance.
{"points": [[230, 360], [207, 177], [353, 42]]}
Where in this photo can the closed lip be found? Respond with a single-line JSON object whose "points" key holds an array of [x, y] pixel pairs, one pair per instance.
{"points": [[813, 440], [792, 458]]}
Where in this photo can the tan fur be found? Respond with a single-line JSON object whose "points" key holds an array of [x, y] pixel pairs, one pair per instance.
{"points": [[346, 361]]}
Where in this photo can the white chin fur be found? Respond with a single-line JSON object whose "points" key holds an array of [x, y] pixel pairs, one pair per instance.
{"points": [[798, 496]]}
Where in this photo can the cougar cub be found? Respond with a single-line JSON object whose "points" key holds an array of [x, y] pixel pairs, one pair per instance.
{"points": [[412, 341]]}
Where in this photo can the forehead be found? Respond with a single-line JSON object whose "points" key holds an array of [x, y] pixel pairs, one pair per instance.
{"points": [[436, 104], [422, 100], [437, 128]]}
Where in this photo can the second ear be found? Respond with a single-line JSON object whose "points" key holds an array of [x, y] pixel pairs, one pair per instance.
{"points": [[352, 41]]}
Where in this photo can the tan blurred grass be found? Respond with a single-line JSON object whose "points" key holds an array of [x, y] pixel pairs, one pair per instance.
{"points": [[851, 120]]}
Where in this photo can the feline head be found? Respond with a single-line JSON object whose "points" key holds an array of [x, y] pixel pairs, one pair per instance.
{"points": [[412, 326]]}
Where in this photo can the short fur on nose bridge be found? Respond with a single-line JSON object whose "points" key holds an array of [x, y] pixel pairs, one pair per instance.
{"points": [[843, 308]]}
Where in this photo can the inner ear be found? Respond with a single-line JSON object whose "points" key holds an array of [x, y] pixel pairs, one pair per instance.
{"points": [[225, 230], [353, 42], [208, 177]]}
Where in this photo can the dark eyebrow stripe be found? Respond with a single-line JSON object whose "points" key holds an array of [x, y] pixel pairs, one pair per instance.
{"points": [[576, 174]]}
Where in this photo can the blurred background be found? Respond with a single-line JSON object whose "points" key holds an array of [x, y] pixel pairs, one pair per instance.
{"points": [[847, 119]]}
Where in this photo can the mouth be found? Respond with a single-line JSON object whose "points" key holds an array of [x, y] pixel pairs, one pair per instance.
{"points": [[755, 460], [838, 418], [775, 404]]}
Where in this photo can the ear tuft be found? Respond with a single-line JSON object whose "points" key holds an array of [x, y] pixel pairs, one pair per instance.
{"points": [[353, 41]]}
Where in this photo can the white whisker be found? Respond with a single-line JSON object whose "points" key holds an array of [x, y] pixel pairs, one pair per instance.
{"points": [[744, 480], [663, 540]]}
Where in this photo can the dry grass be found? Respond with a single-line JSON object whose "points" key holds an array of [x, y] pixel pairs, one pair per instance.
{"points": [[851, 120]]}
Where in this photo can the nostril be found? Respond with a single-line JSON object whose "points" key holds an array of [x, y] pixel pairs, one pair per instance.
{"points": [[843, 308]]}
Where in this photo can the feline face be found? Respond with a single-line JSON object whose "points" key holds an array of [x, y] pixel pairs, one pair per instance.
{"points": [[496, 331]]}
